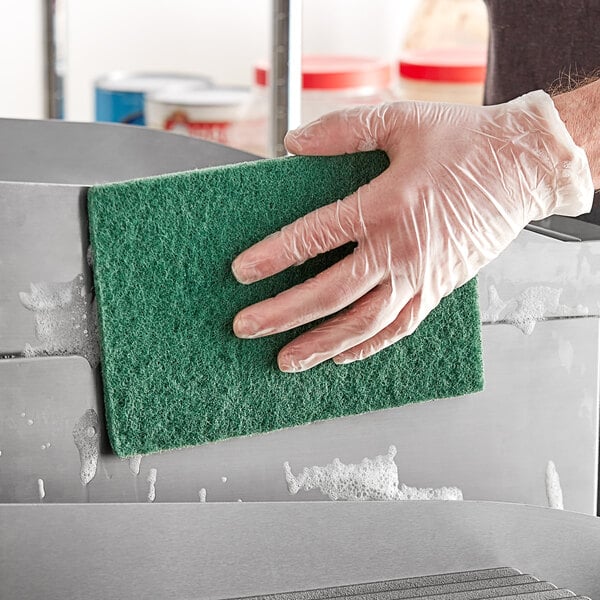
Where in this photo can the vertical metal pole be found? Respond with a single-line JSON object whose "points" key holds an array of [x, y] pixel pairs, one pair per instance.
{"points": [[286, 72], [54, 108]]}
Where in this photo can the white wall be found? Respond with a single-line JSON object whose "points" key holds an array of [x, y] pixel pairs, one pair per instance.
{"points": [[222, 39], [21, 66]]}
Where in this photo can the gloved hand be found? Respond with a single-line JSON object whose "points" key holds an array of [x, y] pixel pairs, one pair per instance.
{"points": [[462, 183]]}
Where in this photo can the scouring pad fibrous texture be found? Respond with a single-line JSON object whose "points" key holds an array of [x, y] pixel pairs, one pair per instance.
{"points": [[175, 375]]}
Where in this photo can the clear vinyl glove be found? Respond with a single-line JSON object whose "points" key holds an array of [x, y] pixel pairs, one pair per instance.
{"points": [[462, 183]]}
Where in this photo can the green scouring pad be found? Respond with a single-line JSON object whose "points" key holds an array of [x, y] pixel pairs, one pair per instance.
{"points": [[174, 373]]}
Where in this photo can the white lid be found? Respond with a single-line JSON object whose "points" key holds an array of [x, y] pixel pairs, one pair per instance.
{"points": [[121, 81], [202, 97]]}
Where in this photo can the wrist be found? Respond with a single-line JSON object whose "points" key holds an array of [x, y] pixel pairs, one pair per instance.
{"points": [[579, 109]]}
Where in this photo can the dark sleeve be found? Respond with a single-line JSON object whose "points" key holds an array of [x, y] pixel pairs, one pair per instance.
{"points": [[533, 43]]}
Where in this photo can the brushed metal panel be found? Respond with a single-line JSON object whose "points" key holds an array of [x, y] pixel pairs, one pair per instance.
{"points": [[391, 584], [44, 238], [540, 404], [65, 152], [44, 228], [537, 261], [541, 394], [427, 591], [227, 550]]}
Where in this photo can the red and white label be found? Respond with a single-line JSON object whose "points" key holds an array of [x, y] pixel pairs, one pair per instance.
{"points": [[214, 131]]}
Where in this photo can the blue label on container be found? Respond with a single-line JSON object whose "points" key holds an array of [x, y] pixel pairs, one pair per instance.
{"points": [[113, 106]]}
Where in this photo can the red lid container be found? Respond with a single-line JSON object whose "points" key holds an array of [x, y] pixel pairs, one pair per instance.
{"points": [[445, 65], [336, 73]]}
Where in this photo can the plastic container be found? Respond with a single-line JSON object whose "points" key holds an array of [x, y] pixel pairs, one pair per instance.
{"points": [[444, 52], [328, 83], [207, 113], [120, 96], [447, 24], [443, 75]]}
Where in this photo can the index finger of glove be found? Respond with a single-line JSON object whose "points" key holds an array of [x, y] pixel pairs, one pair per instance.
{"points": [[317, 232], [343, 132]]}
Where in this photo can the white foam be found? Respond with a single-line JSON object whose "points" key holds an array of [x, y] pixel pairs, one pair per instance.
{"points": [[134, 463], [224, 479], [443, 493], [202, 495], [533, 304], [495, 306], [371, 479], [29, 421], [41, 490], [87, 445], [151, 479], [60, 309], [553, 489]]}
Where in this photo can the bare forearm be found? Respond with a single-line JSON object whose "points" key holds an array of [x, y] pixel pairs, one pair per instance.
{"points": [[580, 111]]}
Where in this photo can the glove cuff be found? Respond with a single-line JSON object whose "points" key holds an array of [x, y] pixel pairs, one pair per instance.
{"points": [[566, 187]]}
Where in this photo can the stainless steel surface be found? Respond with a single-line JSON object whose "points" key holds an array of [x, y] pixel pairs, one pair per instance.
{"points": [[231, 550], [460, 587], [533, 591], [540, 404], [44, 232], [538, 595], [466, 585], [88, 153], [286, 72], [527, 591], [566, 228], [44, 238], [545, 595], [535, 262], [376, 587]]}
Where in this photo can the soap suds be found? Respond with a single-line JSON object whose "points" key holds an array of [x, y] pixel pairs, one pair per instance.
{"points": [[371, 479], [443, 493], [29, 421], [553, 489], [224, 479], [86, 435], [495, 306], [134, 463], [41, 490], [202, 495], [151, 479], [533, 304], [65, 319]]}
